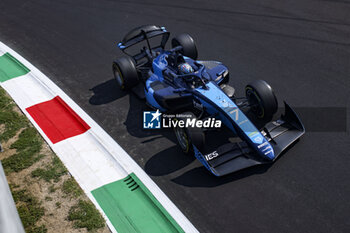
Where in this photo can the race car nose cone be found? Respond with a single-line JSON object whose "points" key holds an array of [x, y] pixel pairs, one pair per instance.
{"points": [[263, 146], [269, 153]]}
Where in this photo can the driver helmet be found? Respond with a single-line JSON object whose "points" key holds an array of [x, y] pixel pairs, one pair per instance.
{"points": [[185, 68]]}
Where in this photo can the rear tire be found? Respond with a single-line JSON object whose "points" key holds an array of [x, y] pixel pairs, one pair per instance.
{"points": [[125, 73], [260, 94], [189, 48], [187, 137]]}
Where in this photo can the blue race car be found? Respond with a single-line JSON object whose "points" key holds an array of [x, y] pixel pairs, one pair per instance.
{"points": [[173, 81]]}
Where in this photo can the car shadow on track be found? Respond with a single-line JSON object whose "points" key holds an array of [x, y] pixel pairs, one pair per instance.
{"points": [[200, 177], [106, 92], [167, 161], [109, 91]]}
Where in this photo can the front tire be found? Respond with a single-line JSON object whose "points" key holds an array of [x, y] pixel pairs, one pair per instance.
{"points": [[187, 137], [262, 98], [189, 48], [125, 73]]}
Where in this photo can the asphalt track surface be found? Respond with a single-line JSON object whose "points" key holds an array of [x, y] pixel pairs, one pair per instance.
{"points": [[301, 48]]}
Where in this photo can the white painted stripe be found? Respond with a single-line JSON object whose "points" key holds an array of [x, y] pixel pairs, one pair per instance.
{"points": [[88, 161], [27, 90], [1, 53], [101, 137]]}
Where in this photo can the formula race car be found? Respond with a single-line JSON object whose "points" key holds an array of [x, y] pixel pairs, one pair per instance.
{"points": [[173, 81]]}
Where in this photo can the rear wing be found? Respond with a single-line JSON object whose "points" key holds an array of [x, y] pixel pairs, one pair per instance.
{"points": [[142, 33]]}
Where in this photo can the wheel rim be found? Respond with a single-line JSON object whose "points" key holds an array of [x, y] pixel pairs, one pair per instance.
{"points": [[182, 138]]}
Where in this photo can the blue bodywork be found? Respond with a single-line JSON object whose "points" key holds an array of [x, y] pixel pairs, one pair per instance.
{"points": [[212, 97]]}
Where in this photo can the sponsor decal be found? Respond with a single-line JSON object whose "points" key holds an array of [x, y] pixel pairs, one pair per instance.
{"points": [[252, 133], [211, 156], [270, 151], [262, 145], [258, 139], [266, 148], [225, 104]]}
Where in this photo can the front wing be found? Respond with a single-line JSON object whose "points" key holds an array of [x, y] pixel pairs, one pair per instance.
{"points": [[232, 157]]}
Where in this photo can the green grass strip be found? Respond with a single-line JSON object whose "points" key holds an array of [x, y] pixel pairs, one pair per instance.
{"points": [[131, 207], [10, 67], [85, 215], [28, 146]]}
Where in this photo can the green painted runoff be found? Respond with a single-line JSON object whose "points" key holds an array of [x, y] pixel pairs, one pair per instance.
{"points": [[132, 208], [10, 68]]}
